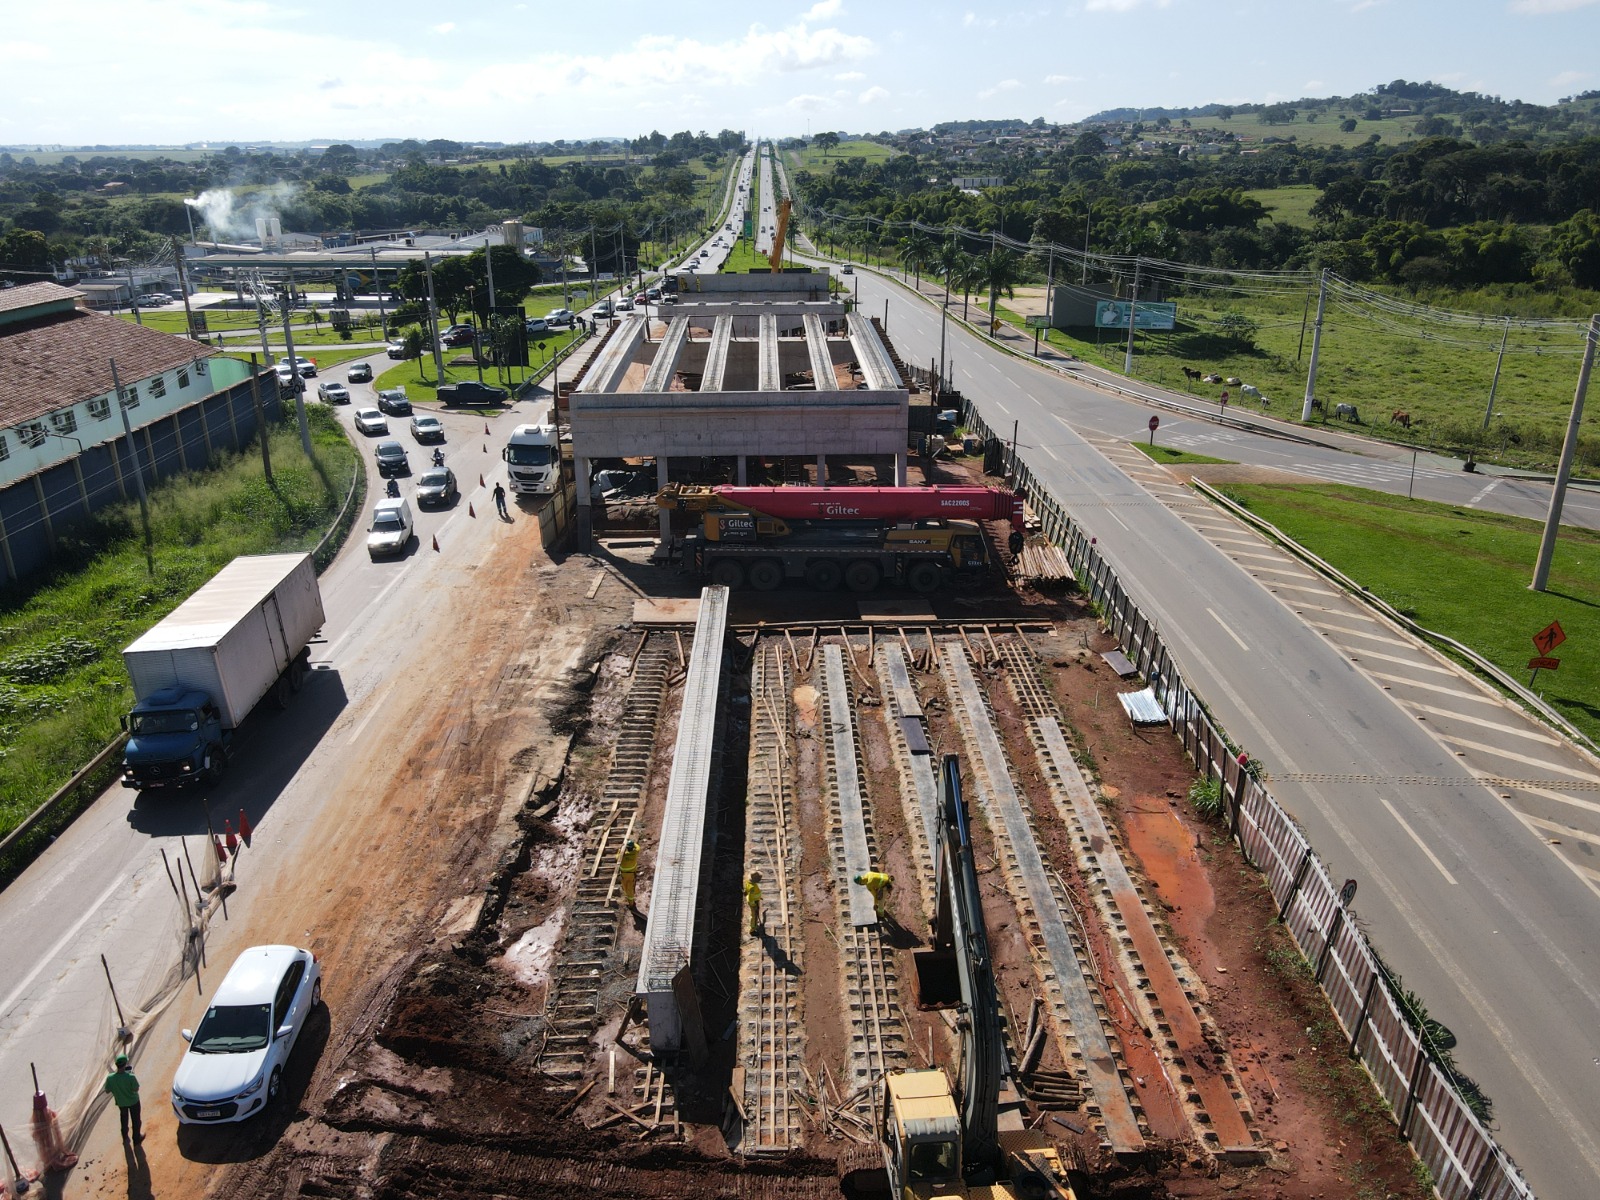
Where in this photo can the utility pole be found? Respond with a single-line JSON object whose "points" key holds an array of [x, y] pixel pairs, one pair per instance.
{"points": [[261, 419], [183, 285], [1133, 310], [1049, 299], [1569, 447], [1316, 347], [138, 469], [433, 322], [1088, 218], [295, 377], [133, 295], [1495, 382]]}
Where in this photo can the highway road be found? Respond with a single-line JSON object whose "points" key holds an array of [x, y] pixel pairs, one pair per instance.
{"points": [[1376, 748]]}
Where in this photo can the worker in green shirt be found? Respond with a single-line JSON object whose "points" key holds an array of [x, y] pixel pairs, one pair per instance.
{"points": [[628, 870], [122, 1085], [880, 885], [752, 897]]}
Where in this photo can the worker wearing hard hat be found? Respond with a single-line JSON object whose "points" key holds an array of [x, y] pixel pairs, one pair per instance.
{"points": [[880, 885], [628, 870], [752, 897]]}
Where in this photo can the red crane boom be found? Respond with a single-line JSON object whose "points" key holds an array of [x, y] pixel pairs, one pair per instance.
{"points": [[874, 503]]}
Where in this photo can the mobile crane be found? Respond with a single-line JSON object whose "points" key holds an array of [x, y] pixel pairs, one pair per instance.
{"points": [[858, 537], [943, 1140]]}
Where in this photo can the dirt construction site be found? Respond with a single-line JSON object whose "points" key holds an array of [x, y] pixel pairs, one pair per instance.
{"points": [[500, 1022]]}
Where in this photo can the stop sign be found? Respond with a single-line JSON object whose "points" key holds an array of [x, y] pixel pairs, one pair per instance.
{"points": [[1155, 423]]}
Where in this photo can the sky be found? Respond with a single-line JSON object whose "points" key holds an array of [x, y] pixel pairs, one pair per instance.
{"points": [[167, 72]]}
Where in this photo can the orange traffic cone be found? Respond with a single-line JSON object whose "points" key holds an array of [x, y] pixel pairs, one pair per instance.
{"points": [[486, 447], [481, 483], [470, 513], [244, 827], [436, 541], [222, 855], [486, 427], [229, 838]]}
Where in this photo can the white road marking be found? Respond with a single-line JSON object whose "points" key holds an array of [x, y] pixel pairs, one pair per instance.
{"points": [[1421, 845], [1330, 627], [1513, 730], [1113, 515], [1407, 681], [1051, 453], [1544, 764], [49, 955], [1409, 662], [1560, 797], [377, 706], [1228, 631], [1484, 491], [1564, 831]]}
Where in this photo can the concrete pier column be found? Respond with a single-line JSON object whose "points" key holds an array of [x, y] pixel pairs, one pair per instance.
{"points": [[822, 470], [900, 463], [741, 473], [662, 471]]}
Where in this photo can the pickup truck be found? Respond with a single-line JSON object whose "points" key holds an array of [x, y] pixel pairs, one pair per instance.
{"points": [[469, 392]]}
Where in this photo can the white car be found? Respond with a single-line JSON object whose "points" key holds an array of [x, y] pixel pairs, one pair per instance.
{"points": [[560, 316], [624, 305], [370, 420], [333, 393], [426, 428], [234, 1065]]}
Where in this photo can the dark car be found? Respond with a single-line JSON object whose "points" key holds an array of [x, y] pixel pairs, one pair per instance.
{"points": [[437, 485], [392, 459], [457, 335], [469, 392], [393, 401]]}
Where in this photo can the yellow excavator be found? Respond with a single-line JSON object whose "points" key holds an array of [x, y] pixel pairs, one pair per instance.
{"points": [[952, 1142], [780, 232]]}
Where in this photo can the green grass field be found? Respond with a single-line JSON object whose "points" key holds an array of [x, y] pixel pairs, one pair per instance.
{"points": [[743, 257], [62, 684], [1165, 454], [813, 160], [1460, 572], [1324, 131], [1288, 205]]}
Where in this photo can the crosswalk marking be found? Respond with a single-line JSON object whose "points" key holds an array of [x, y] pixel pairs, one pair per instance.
{"points": [[1328, 627], [1522, 731], [1408, 662], [1544, 764], [1407, 681]]}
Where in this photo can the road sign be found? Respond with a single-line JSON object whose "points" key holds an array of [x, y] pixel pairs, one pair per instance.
{"points": [[1543, 664], [1548, 638], [1038, 322], [1155, 424]]}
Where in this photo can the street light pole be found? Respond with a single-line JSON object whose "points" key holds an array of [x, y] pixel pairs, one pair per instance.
{"points": [[1558, 494]]}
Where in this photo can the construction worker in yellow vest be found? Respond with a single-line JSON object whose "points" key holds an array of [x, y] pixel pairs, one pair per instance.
{"points": [[628, 870], [752, 897], [880, 885]]}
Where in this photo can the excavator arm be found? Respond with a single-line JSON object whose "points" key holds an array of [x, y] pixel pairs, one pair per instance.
{"points": [[780, 233]]}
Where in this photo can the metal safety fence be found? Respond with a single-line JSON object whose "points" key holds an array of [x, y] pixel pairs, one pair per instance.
{"points": [[1463, 1157]]}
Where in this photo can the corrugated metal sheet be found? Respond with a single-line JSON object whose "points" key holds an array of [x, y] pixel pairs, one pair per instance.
{"points": [[1142, 707]]}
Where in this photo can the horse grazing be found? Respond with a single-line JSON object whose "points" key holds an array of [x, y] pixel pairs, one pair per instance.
{"points": [[1400, 418]]}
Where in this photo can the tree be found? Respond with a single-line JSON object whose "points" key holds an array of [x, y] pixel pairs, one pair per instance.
{"points": [[1089, 142], [1000, 271], [1348, 125], [24, 256], [827, 142], [917, 250]]}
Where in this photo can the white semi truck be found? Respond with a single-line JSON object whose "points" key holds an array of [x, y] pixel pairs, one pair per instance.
{"points": [[533, 459], [199, 671]]}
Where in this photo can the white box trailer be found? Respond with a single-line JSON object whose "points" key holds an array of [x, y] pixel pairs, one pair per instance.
{"points": [[235, 637]]}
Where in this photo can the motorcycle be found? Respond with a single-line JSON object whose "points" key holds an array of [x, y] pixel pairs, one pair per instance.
{"points": [[438, 457], [394, 489]]}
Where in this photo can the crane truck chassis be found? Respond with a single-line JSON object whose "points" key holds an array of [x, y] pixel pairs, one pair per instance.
{"points": [[855, 537], [949, 1141]]}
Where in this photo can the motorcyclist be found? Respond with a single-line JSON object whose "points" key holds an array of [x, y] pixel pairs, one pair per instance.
{"points": [[438, 457], [394, 488]]}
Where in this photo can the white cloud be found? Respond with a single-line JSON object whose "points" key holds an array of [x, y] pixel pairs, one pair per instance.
{"points": [[808, 103], [850, 76], [823, 10], [445, 27], [1005, 85], [1057, 80], [973, 21], [1121, 6], [872, 95], [1542, 7], [1566, 79], [1313, 86], [1363, 5], [23, 51]]}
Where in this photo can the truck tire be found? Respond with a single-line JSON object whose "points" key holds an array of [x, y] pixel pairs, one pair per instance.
{"points": [[766, 574], [925, 577], [298, 670], [824, 575], [727, 573], [280, 690], [863, 575], [216, 764]]}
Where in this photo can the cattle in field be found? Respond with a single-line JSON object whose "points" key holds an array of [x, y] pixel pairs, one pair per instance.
{"points": [[1190, 373], [1400, 418], [1232, 381], [1347, 412], [1212, 378], [1317, 406], [1251, 392]]}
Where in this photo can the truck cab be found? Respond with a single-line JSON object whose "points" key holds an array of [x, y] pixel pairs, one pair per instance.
{"points": [[533, 459], [175, 736], [921, 1136]]}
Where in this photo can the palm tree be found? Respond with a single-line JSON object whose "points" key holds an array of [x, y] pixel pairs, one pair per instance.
{"points": [[1001, 271], [969, 275], [917, 250], [947, 260]]}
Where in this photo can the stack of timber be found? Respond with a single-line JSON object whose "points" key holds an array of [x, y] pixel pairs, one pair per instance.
{"points": [[1041, 562]]}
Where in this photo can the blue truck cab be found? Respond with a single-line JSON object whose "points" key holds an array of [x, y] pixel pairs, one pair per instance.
{"points": [[175, 736]]}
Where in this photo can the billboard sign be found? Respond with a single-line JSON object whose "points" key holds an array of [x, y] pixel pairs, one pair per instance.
{"points": [[1148, 314]]}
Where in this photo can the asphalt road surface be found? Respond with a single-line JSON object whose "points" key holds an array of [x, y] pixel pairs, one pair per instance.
{"points": [[1483, 918]]}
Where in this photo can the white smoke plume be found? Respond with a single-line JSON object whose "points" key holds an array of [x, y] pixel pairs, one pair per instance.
{"points": [[234, 218]]}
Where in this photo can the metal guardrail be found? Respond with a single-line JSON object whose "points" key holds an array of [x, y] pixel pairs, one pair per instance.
{"points": [[1465, 1161]]}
